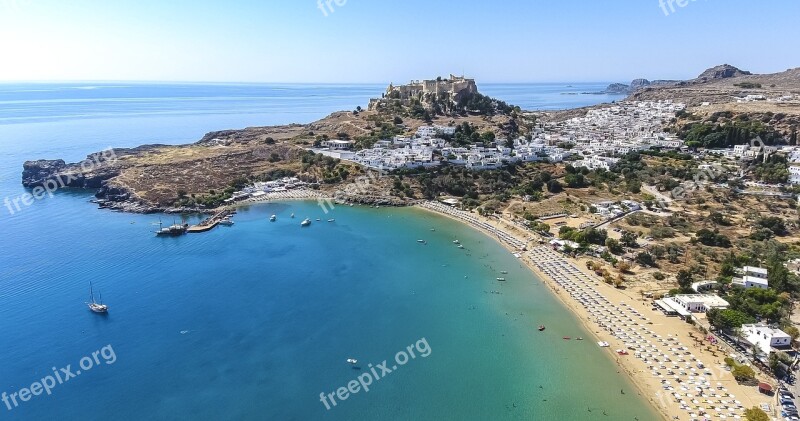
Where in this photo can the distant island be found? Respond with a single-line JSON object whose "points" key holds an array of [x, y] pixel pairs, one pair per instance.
{"points": [[719, 72]]}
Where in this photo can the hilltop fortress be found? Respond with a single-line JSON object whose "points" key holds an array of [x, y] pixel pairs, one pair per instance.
{"points": [[453, 88]]}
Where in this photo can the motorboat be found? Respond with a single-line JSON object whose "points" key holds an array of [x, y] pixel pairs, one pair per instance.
{"points": [[542, 328], [273, 218], [352, 361], [306, 222]]}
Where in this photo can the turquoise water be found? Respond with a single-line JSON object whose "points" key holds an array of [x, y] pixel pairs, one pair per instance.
{"points": [[256, 320]]}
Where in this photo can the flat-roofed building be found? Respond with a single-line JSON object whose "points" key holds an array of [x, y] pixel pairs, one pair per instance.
{"points": [[700, 303], [766, 338]]}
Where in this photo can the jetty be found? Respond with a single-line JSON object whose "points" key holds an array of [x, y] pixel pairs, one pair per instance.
{"points": [[209, 223]]}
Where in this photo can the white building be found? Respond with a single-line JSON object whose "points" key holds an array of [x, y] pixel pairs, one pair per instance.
{"points": [[766, 338], [753, 277], [337, 144], [699, 303], [794, 174]]}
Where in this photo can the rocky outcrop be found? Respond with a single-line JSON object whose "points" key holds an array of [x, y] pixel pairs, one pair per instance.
{"points": [[36, 173], [723, 71], [616, 89], [368, 200], [639, 83]]}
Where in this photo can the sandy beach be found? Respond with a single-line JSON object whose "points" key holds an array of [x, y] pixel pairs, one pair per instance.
{"points": [[680, 373]]}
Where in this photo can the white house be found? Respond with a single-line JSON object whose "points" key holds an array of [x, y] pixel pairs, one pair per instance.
{"points": [[740, 150], [766, 338], [794, 174], [753, 277], [337, 144], [700, 303]]}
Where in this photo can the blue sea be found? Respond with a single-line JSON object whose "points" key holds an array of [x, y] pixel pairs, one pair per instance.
{"points": [[256, 321]]}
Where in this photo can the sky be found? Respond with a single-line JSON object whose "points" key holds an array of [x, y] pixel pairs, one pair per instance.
{"points": [[377, 41]]}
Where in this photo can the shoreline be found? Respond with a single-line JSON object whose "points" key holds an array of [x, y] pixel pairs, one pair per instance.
{"points": [[549, 283], [648, 381]]}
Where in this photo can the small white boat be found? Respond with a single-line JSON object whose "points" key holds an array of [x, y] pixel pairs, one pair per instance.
{"points": [[504, 272], [456, 242], [292, 216], [422, 241], [352, 361], [273, 218], [501, 279], [331, 220], [319, 219], [460, 246], [306, 222], [226, 222]]}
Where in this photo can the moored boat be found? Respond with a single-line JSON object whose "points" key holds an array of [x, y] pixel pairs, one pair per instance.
{"points": [[96, 306], [541, 328], [306, 222]]}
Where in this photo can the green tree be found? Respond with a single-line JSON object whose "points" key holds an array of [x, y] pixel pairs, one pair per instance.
{"points": [[645, 259], [553, 186], [628, 239], [614, 246], [685, 280]]}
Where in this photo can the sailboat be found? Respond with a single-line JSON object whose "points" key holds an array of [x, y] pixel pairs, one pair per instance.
{"points": [[95, 306]]}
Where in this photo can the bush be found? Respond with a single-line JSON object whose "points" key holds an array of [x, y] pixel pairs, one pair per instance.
{"points": [[756, 414], [743, 373]]}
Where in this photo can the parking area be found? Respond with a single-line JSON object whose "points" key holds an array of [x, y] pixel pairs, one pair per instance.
{"points": [[786, 404]]}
